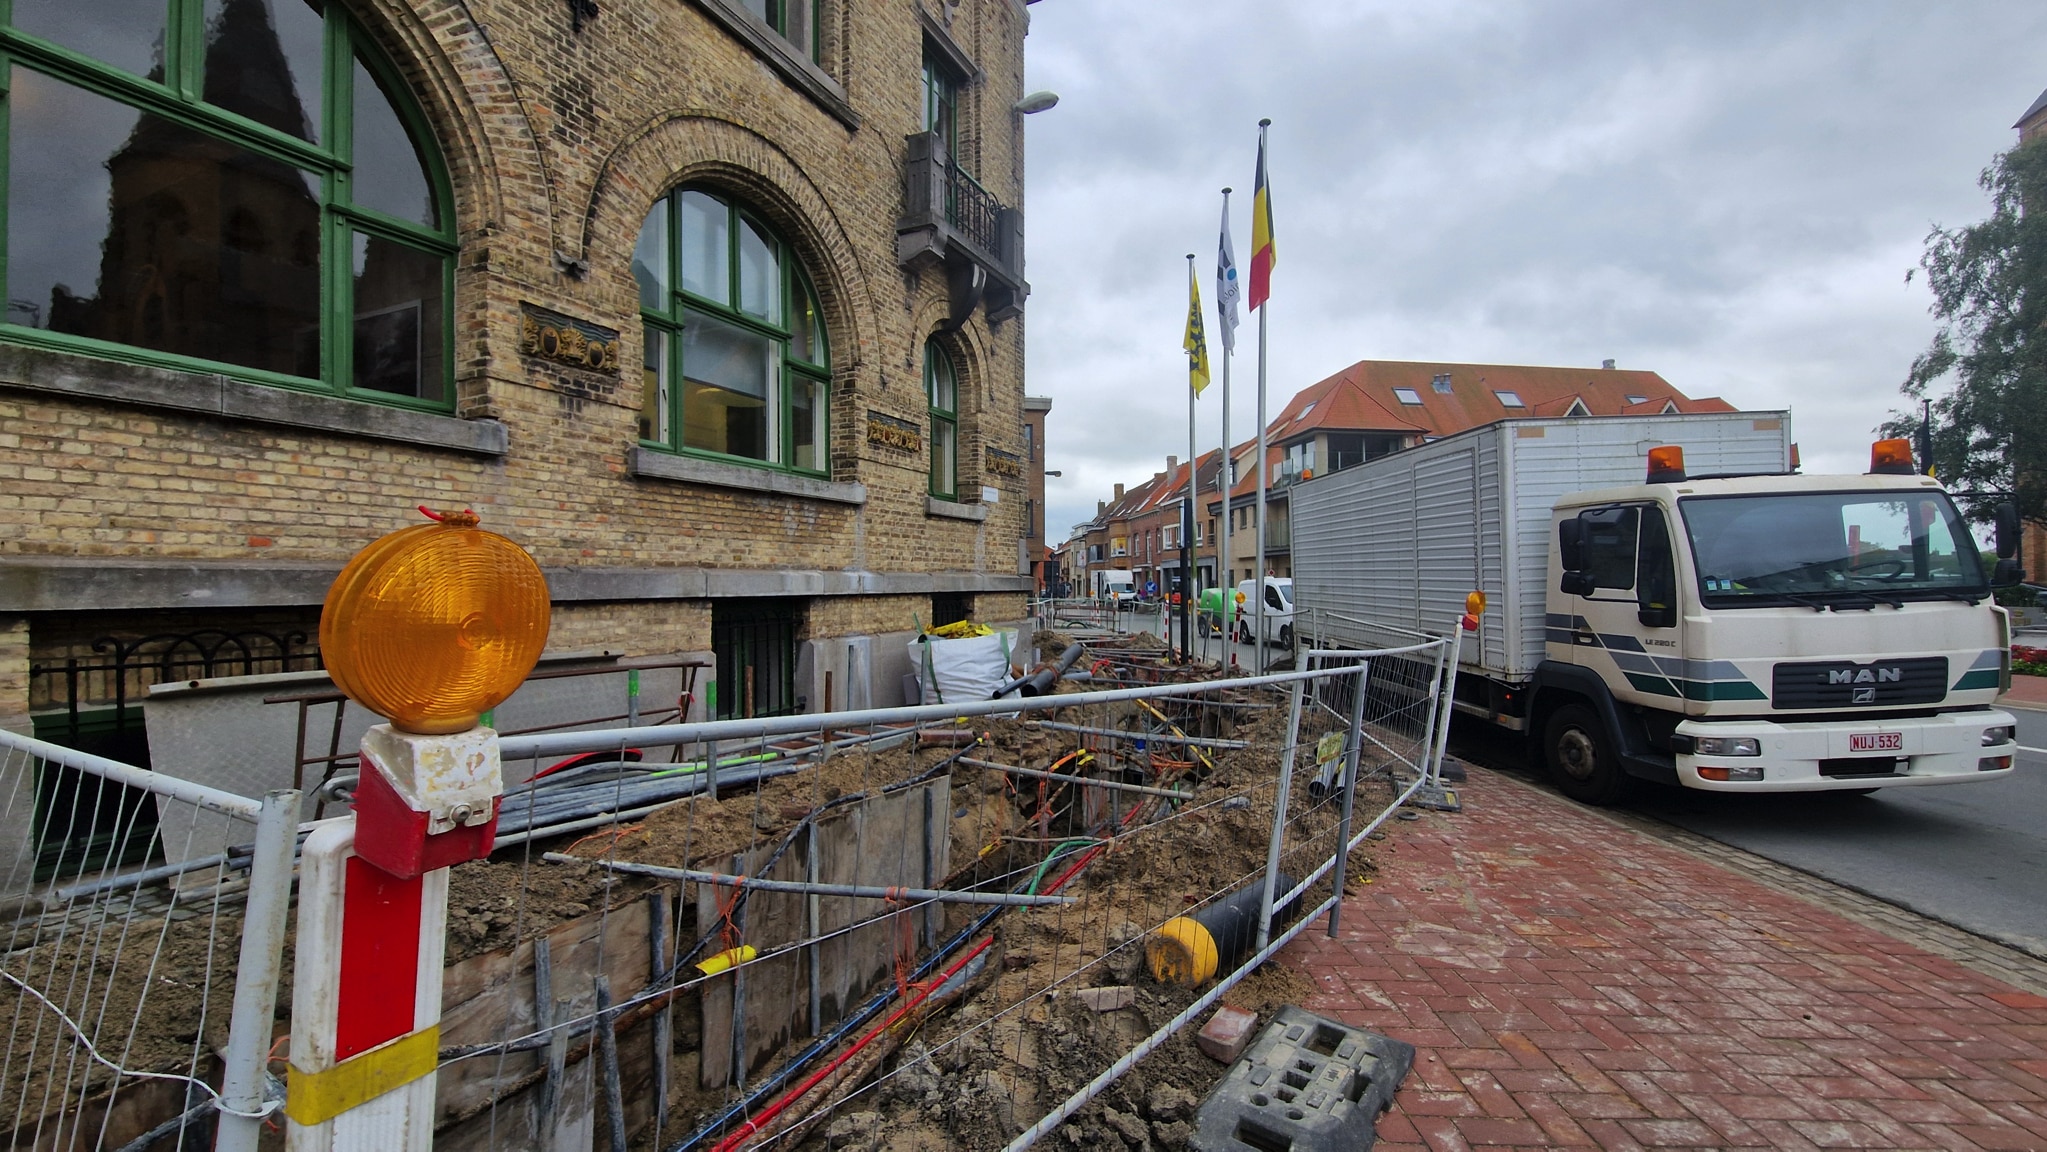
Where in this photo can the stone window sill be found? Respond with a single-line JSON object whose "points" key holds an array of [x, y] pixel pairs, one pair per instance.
{"points": [[647, 464], [208, 393], [802, 73], [952, 510]]}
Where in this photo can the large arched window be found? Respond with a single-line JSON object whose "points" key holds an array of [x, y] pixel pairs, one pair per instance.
{"points": [[735, 358], [229, 185]]}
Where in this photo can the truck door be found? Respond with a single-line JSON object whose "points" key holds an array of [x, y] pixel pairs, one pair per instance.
{"points": [[1625, 623]]}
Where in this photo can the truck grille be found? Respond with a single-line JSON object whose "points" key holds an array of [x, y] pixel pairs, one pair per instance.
{"points": [[1877, 684]]}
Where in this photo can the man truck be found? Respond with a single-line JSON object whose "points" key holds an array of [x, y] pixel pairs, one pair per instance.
{"points": [[1674, 601]]}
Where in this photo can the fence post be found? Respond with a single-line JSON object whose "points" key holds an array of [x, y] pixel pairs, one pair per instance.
{"points": [[242, 1084], [1279, 807], [1355, 747]]}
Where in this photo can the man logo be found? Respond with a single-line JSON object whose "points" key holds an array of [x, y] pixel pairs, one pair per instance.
{"points": [[1864, 696], [1864, 676]]}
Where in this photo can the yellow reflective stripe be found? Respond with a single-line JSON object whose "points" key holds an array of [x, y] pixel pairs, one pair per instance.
{"points": [[317, 1097]]}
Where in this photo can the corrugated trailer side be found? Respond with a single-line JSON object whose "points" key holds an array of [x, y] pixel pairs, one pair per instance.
{"points": [[1395, 544]]}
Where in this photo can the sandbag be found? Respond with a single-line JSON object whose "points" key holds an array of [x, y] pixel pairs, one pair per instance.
{"points": [[953, 671]]}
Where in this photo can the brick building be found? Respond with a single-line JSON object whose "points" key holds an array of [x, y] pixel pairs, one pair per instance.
{"points": [[712, 305]]}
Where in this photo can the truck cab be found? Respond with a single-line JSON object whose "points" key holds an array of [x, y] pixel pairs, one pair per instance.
{"points": [[1769, 633]]}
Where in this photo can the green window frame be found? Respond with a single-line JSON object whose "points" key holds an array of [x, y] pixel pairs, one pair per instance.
{"points": [[942, 102], [371, 291], [736, 361], [941, 395], [796, 21]]}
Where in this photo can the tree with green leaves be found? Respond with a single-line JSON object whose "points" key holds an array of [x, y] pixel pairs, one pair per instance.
{"points": [[1989, 284]]}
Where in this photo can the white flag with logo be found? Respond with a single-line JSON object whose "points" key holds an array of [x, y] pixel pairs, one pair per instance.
{"points": [[1227, 291]]}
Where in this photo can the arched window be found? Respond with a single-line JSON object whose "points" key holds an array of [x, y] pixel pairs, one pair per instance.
{"points": [[229, 185], [942, 394], [735, 360]]}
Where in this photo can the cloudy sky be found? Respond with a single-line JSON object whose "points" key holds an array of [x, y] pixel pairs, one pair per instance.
{"points": [[1729, 194]]}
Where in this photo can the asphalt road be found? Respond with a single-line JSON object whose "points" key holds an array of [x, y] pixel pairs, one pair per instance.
{"points": [[1971, 855]]}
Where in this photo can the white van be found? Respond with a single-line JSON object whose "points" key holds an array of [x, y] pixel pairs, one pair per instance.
{"points": [[1279, 611]]}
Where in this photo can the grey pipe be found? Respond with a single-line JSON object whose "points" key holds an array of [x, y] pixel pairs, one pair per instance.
{"points": [[1152, 737], [856, 891], [1040, 681], [1116, 785]]}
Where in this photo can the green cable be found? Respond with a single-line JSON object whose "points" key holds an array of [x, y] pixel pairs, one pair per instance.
{"points": [[1052, 857]]}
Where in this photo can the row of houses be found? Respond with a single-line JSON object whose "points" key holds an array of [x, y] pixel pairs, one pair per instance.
{"points": [[1368, 410]]}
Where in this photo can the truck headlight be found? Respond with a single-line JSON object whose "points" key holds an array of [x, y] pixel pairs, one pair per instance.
{"points": [[2005, 734], [1727, 746]]}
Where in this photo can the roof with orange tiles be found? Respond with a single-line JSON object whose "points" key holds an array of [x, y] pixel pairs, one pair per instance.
{"points": [[1437, 399]]}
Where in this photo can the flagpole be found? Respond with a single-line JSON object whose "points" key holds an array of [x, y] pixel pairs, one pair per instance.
{"points": [[1187, 522], [1264, 309], [1226, 620]]}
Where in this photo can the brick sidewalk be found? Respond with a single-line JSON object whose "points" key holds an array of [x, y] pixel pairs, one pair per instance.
{"points": [[1572, 982]]}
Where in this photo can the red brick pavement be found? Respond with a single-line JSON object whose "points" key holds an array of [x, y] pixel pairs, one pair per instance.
{"points": [[1572, 983]]}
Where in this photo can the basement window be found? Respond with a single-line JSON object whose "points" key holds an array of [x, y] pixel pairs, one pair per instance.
{"points": [[754, 641]]}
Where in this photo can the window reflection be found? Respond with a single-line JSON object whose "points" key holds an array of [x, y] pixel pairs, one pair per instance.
{"points": [[264, 60], [650, 261], [390, 174], [398, 330], [806, 423], [706, 248], [806, 328], [728, 376], [125, 33], [760, 275], [126, 227]]}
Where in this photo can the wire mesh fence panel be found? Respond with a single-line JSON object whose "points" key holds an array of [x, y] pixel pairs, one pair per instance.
{"points": [[939, 925], [122, 951]]}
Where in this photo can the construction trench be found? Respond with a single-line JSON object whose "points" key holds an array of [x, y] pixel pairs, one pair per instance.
{"points": [[950, 942]]}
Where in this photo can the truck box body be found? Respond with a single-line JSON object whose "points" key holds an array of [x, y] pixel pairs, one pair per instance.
{"points": [[1399, 541]]}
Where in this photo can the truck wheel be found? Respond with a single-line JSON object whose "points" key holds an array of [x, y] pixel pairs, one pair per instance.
{"points": [[1580, 757], [1286, 635]]}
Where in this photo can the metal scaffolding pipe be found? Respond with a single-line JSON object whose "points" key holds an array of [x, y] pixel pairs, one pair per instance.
{"points": [[1117, 785], [857, 891], [1159, 737]]}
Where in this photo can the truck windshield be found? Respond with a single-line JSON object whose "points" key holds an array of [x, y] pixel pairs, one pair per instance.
{"points": [[1835, 548]]}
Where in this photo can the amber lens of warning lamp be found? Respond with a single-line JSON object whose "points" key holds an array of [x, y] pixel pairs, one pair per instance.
{"points": [[1666, 464], [1474, 603], [1891, 458], [431, 626]]}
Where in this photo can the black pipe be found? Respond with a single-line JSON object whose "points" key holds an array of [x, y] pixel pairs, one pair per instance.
{"points": [[1041, 679], [1189, 950]]}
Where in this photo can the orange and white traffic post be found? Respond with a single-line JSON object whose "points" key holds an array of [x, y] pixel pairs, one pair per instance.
{"points": [[430, 627]]}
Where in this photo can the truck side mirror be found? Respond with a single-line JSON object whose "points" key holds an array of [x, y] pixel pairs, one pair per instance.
{"points": [[1576, 584], [1657, 615], [2006, 519], [2007, 573], [1571, 544]]}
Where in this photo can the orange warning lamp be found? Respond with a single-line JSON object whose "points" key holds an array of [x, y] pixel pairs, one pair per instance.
{"points": [[1891, 458], [1474, 607], [433, 625], [1666, 464]]}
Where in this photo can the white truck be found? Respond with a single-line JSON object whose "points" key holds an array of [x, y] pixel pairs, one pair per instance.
{"points": [[1118, 584], [1671, 600]]}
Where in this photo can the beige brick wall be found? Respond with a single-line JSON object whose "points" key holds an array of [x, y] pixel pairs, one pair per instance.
{"points": [[14, 673], [558, 144]]}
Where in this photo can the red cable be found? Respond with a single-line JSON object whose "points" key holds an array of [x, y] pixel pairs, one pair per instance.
{"points": [[753, 1126]]}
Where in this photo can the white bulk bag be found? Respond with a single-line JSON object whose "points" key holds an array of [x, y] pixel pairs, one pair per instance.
{"points": [[953, 671]]}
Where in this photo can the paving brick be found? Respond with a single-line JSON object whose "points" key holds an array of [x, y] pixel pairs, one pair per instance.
{"points": [[1228, 1032], [1628, 992]]}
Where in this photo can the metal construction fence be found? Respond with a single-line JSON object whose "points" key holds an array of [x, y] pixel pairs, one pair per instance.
{"points": [[142, 930], [954, 925]]}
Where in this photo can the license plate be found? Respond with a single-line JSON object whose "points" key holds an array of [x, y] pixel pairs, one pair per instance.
{"points": [[1876, 742]]}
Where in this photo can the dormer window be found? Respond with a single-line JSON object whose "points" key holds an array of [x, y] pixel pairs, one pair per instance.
{"points": [[1440, 382], [1407, 396]]}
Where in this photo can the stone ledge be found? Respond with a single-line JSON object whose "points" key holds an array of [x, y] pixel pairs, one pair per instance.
{"points": [[649, 465], [802, 73], [213, 394], [90, 584], [953, 510]]}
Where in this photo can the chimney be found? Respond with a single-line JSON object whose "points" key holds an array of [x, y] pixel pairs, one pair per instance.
{"points": [[1607, 364], [1119, 491], [1172, 462], [1101, 506]]}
